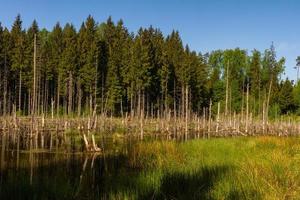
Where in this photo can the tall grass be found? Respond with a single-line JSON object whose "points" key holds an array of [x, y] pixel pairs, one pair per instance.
{"points": [[234, 168]]}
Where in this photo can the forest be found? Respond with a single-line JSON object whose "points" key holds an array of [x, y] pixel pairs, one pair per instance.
{"points": [[105, 68], [105, 113]]}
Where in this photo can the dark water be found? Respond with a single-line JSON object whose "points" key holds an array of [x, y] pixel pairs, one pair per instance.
{"points": [[60, 175]]}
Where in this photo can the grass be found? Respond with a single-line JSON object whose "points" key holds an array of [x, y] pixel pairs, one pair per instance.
{"points": [[232, 168]]}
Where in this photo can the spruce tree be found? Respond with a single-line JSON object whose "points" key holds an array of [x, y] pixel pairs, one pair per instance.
{"points": [[69, 63], [18, 58]]}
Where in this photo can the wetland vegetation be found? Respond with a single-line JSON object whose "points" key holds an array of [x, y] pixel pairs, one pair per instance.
{"points": [[220, 168]]}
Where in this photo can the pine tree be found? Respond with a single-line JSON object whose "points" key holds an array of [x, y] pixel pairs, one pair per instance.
{"points": [[18, 58], [57, 47], [2, 57], [88, 60], [31, 34], [255, 72], [69, 65], [116, 37], [285, 97], [7, 72]]}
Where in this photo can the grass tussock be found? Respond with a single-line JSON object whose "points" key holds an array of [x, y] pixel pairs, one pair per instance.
{"points": [[235, 168]]}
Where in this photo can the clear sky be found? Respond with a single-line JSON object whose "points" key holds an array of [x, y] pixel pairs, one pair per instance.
{"points": [[203, 24]]}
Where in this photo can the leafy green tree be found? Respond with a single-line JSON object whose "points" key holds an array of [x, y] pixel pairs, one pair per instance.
{"points": [[235, 61], [296, 96], [255, 73], [215, 84], [285, 98]]}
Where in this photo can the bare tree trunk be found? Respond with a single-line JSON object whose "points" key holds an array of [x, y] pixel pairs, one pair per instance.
{"points": [[209, 119], [5, 87], [20, 91], [96, 82], [79, 98], [34, 93], [52, 108], [247, 108], [182, 102], [34, 79], [102, 92], [139, 103], [142, 116], [131, 105], [268, 99], [264, 115], [122, 114], [218, 119], [175, 109], [70, 93], [58, 95], [227, 86], [186, 110], [91, 103]]}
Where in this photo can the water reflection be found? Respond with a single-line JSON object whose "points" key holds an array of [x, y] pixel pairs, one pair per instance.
{"points": [[60, 175]]}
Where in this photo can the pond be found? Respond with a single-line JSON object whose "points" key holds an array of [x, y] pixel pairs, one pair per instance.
{"points": [[41, 174]]}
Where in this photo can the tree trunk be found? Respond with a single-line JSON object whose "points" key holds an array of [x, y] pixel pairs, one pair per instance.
{"points": [[268, 99], [34, 79], [218, 118], [20, 91], [34, 94], [79, 96], [175, 109], [186, 110], [70, 93], [5, 87], [227, 86], [58, 92], [142, 115], [182, 102], [247, 108], [139, 103], [96, 82]]}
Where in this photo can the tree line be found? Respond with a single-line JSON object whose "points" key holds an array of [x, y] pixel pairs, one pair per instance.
{"points": [[104, 68]]}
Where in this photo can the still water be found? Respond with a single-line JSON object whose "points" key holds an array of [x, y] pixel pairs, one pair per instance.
{"points": [[61, 175]]}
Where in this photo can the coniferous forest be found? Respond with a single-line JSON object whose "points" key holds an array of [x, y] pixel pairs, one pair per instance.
{"points": [[99, 112], [121, 72]]}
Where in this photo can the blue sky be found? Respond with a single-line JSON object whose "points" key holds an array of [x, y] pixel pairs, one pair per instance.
{"points": [[204, 25]]}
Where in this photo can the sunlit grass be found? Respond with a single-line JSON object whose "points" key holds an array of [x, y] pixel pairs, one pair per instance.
{"points": [[233, 168]]}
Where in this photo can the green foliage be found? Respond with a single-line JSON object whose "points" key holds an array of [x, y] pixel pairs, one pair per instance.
{"points": [[286, 99], [105, 64], [296, 96]]}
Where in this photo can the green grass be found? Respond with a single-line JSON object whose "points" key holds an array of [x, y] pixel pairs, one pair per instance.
{"points": [[233, 168]]}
